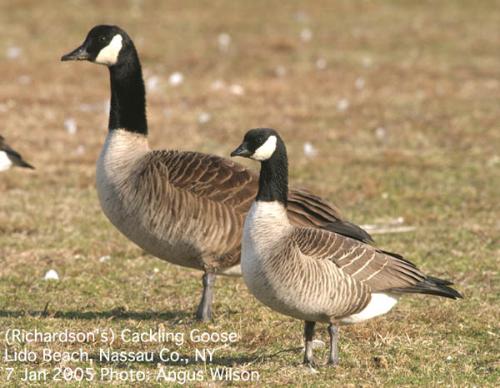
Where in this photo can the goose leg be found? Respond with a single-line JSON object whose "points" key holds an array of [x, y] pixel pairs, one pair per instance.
{"points": [[333, 356], [308, 340], [204, 312]]}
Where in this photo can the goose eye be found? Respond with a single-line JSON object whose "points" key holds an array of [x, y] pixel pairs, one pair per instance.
{"points": [[102, 38]]}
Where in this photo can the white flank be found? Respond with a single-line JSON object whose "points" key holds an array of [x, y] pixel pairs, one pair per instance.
{"points": [[266, 150], [379, 304], [109, 54], [5, 162]]}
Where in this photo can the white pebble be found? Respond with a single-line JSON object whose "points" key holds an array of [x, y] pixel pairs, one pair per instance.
{"points": [[224, 41], [103, 259], [13, 52], [309, 150], [156, 270], [359, 83], [321, 63], [493, 161], [85, 107], [24, 80], [204, 117], [152, 83], [176, 78], [80, 150], [306, 35], [367, 61], [280, 71], [343, 105], [301, 17], [70, 126], [380, 133], [51, 275], [449, 358], [91, 107], [237, 90], [218, 84]]}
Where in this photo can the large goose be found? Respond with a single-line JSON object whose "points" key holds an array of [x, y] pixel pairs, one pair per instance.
{"points": [[311, 274], [9, 157], [187, 208]]}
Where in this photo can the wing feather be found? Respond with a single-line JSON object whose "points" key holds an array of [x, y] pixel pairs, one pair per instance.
{"points": [[362, 262], [221, 180]]}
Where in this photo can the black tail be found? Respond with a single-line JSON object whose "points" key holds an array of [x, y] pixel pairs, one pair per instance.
{"points": [[432, 286], [316, 211], [22, 163], [17, 159], [348, 229]]}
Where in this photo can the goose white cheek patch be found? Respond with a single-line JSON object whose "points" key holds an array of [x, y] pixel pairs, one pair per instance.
{"points": [[109, 54], [266, 150]]}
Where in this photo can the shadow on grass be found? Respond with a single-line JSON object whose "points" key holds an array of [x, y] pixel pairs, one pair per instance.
{"points": [[118, 314]]}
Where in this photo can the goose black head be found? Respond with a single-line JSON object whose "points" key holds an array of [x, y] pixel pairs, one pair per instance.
{"points": [[258, 144], [105, 45]]}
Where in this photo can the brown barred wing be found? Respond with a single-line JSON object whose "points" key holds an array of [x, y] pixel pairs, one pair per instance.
{"points": [[378, 269], [224, 181], [211, 177], [362, 262], [207, 198]]}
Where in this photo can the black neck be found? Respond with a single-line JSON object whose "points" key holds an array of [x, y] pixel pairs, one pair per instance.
{"points": [[273, 180], [128, 96]]}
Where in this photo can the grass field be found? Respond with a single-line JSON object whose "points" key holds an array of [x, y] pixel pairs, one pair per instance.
{"points": [[400, 101]]}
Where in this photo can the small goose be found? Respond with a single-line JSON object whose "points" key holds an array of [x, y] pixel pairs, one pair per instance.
{"points": [[9, 157], [313, 274], [187, 208]]}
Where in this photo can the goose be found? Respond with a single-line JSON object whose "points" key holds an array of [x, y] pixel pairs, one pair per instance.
{"points": [[312, 274], [183, 207], [9, 157]]}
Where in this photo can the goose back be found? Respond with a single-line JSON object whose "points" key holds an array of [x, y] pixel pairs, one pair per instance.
{"points": [[186, 207], [316, 275]]}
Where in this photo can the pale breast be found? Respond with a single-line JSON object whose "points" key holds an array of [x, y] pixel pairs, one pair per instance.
{"points": [[281, 277], [127, 208], [270, 268], [140, 194]]}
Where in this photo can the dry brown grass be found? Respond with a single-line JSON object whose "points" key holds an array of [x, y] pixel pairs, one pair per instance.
{"points": [[432, 80]]}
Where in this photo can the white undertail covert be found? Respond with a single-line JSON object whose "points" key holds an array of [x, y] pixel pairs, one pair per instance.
{"points": [[5, 162], [379, 304]]}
